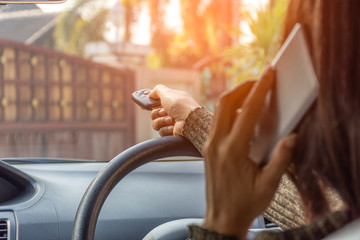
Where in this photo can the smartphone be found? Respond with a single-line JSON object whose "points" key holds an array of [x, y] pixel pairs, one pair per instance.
{"points": [[295, 90]]}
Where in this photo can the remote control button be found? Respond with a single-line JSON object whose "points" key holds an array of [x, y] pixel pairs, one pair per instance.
{"points": [[146, 92], [142, 96]]}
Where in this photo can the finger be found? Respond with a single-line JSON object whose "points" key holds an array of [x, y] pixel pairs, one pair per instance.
{"points": [[225, 112], [158, 112], [166, 131], [161, 122], [158, 91], [209, 176], [246, 120], [279, 162], [178, 127]]}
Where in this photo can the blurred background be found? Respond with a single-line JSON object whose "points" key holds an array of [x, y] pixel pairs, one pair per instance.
{"points": [[67, 70]]}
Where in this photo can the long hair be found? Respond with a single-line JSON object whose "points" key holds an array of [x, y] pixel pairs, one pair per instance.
{"points": [[328, 147]]}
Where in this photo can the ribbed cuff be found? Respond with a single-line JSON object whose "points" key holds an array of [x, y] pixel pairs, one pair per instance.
{"points": [[285, 209], [197, 127], [199, 233]]}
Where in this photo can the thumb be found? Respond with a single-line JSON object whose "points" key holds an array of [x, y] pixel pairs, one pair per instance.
{"points": [[280, 160], [157, 92], [178, 127]]}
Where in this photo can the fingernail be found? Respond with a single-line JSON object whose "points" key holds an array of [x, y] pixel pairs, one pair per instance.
{"points": [[290, 142], [168, 120], [162, 112], [170, 128]]}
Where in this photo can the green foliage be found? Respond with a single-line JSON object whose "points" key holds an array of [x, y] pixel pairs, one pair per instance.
{"points": [[250, 59], [204, 26], [83, 23], [179, 52], [153, 61]]}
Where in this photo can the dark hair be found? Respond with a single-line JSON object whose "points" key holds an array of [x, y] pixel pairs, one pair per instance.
{"points": [[328, 148]]}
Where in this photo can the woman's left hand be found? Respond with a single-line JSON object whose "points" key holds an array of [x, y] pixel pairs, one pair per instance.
{"points": [[237, 189]]}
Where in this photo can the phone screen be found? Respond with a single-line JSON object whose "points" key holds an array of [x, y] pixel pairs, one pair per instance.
{"points": [[295, 90]]}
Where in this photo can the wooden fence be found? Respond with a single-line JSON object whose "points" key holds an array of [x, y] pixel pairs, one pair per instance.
{"points": [[56, 105]]}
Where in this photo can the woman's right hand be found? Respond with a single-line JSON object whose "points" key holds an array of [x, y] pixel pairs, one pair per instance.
{"points": [[238, 189], [175, 107]]}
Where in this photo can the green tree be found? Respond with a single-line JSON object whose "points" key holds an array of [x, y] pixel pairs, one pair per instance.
{"points": [[248, 60], [84, 22], [203, 33], [244, 61]]}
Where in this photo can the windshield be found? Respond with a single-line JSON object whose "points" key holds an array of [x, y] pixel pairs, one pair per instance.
{"points": [[67, 70]]}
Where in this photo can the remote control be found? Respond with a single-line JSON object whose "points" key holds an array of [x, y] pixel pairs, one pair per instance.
{"points": [[141, 98]]}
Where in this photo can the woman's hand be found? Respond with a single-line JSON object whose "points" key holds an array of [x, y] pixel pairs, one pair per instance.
{"points": [[238, 190], [176, 106]]}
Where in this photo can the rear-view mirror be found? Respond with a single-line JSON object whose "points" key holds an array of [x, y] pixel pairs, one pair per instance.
{"points": [[30, 1]]}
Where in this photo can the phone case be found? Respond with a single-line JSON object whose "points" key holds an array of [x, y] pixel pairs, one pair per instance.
{"points": [[296, 88]]}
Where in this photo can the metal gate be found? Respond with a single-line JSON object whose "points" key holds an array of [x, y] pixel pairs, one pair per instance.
{"points": [[56, 105]]}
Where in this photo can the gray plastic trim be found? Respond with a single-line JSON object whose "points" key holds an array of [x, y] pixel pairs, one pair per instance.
{"points": [[9, 217]]}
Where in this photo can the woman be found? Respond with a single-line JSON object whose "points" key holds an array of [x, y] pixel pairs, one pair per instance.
{"points": [[322, 155]]}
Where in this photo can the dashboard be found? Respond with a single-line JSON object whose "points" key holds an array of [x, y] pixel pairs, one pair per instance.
{"points": [[40, 198]]}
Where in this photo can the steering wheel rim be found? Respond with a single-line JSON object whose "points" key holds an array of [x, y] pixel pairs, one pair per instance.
{"points": [[121, 165]]}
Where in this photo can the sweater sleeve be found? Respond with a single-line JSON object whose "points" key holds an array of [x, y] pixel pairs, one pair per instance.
{"points": [[197, 127], [199, 233], [318, 229], [286, 207], [285, 210]]}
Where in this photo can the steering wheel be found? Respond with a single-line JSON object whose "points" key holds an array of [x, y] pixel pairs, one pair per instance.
{"points": [[121, 165]]}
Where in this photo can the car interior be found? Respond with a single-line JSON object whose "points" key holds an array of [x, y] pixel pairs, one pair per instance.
{"points": [[152, 190], [40, 199]]}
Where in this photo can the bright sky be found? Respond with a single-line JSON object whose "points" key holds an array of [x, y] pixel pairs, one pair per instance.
{"points": [[142, 28], [252, 5], [55, 7]]}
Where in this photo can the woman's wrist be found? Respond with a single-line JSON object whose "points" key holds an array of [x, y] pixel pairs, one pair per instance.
{"points": [[199, 232], [197, 126], [227, 227]]}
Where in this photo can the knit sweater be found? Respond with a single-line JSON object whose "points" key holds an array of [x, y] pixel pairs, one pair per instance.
{"points": [[285, 209]]}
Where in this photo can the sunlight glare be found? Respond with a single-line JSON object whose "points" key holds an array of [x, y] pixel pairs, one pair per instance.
{"points": [[141, 30], [252, 6], [58, 7], [55, 7], [255, 4], [172, 20]]}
